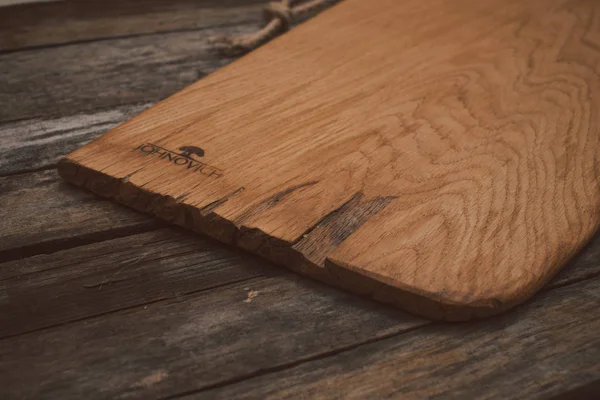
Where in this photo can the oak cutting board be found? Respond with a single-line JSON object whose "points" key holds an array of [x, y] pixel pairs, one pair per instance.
{"points": [[438, 155]]}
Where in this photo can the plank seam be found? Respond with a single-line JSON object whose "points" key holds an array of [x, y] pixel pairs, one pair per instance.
{"points": [[141, 305], [56, 245], [332, 353], [131, 36], [28, 171], [51, 117], [285, 366]]}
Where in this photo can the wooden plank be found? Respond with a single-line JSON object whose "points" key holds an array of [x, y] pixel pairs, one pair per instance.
{"points": [[37, 144], [85, 281], [404, 170], [42, 214], [46, 82], [542, 349], [36, 25], [167, 348], [256, 328]]}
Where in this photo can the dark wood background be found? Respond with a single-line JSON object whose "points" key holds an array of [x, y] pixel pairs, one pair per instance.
{"points": [[98, 301]]}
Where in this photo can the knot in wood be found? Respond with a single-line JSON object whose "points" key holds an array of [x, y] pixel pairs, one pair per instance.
{"points": [[281, 11]]}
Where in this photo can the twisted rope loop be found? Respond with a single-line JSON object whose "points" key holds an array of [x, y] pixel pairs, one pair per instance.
{"points": [[279, 17]]}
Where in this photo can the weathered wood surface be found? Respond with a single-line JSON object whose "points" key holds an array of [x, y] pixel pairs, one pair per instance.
{"points": [[300, 320], [198, 340], [227, 334], [135, 66], [47, 82], [40, 213], [414, 177], [35, 25], [113, 275], [37, 144], [505, 358], [122, 308]]}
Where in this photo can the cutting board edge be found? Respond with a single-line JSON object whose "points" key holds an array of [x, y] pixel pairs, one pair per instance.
{"points": [[428, 305]]}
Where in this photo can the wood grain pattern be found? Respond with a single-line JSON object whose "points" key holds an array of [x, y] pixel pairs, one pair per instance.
{"points": [[506, 358], [121, 296], [120, 71], [211, 337], [35, 25], [117, 274], [200, 340], [37, 144], [447, 157], [39, 213], [295, 331], [114, 340], [94, 279], [147, 336]]}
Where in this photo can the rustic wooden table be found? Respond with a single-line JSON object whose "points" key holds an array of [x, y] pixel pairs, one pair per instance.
{"points": [[99, 301]]}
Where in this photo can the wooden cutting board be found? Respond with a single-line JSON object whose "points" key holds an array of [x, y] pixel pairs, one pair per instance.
{"points": [[437, 155]]}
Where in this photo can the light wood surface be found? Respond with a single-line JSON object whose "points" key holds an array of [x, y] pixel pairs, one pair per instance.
{"points": [[436, 155]]}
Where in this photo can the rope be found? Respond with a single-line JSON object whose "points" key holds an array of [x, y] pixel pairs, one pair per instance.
{"points": [[279, 17]]}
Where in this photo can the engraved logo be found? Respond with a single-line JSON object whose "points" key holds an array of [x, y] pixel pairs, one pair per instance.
{"points": [[186, 158], [187, 151]]}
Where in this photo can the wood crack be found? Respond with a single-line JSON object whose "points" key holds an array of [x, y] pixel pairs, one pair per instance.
{"points": [[286, 366], [327, 354], [208, 209], [133, 307], [337, 226], [271, 202], [53, 246]]}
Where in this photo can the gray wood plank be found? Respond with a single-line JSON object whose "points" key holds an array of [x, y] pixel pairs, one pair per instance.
{"points": [[191, 343], [40, 213], [541, 349], [35, 25], [37, 144], [48, 290], [70, 79]]}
